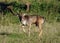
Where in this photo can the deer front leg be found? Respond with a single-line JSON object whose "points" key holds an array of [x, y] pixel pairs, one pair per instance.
{"points": [[40, 30], [29, 30], [23, 29]]}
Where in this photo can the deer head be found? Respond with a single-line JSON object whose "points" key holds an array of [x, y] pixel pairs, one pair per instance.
{"points": [[22, 17]]}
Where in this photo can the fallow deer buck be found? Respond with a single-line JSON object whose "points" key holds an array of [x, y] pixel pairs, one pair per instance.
{"points": [[32, 19]]}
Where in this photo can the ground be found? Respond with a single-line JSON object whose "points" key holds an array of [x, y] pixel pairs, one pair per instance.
{"points": [[13, 33]]}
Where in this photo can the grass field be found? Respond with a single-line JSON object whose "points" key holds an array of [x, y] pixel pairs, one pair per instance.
{"points": [[13, 33], [10, 26]]}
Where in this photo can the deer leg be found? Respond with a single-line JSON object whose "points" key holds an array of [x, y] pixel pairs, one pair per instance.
{"points": [[23, 28], [40, 29], [29, 30]]}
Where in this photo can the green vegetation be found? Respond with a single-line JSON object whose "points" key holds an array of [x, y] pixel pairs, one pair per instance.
{"points": [[10, 26], [48, 9], [14, 34]]}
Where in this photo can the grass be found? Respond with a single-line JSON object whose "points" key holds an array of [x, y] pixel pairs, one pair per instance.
{"points": [[11, 30], [13, 34]]}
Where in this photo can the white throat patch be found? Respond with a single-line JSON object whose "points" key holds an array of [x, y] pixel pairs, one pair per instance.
{"points": [[24, 22]]}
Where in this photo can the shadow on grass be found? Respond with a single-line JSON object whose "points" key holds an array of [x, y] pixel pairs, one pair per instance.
{"points": [[14, 35], [4, 33], [18, 35]]}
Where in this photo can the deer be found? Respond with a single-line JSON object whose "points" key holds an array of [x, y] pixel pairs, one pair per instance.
{"points": [[28, 20]]}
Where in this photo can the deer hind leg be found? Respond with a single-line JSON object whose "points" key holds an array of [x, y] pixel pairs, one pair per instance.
{"points": [[40, 29]]}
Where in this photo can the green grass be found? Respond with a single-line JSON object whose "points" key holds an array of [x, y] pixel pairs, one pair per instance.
{"points": [[51, 34], [11, 30]]}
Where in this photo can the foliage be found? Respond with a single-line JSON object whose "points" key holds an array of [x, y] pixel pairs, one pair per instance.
{"points": [[50, 10]]}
